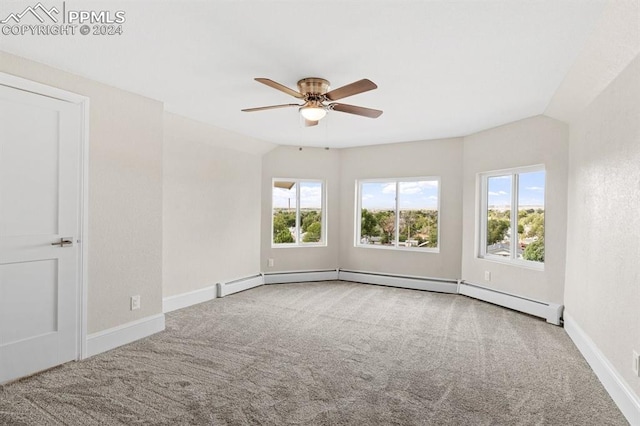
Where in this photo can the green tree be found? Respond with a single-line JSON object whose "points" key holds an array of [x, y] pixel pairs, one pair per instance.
{"points": [[281, 233], [368, 224], [426, 227], [308, 218], [496, 230], [290, 218], [388, 225], [283, 236], [535, 251], [433, 236], [537, 226], [532, 224], [313, 233]]}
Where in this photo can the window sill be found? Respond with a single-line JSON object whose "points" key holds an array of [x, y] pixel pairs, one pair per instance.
{"points": [[536, 266], [288, 246], [405, 249]]}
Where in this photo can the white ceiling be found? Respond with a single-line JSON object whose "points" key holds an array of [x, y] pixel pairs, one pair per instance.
{"points": [[443, 68]]}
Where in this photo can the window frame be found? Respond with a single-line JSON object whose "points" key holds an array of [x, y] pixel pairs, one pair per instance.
{"points": [[323, 214], [397, 181], [483, 179]]}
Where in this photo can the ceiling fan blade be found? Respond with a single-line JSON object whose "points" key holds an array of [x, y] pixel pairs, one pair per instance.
{"points": [[359, 86], [309, 123], [270, 107], [280, 87], [352, 109]]}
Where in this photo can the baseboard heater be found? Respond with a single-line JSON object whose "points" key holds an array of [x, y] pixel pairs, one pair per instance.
{"points": [[225, 289], [183, 300], [550, 311], [440, 285], [300, 276]]}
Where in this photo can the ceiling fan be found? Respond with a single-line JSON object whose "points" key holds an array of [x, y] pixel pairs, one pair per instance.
{"points": [[315, 93]]}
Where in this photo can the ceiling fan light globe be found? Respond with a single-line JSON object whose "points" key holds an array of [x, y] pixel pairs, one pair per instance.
{"points": [[313, 113]]}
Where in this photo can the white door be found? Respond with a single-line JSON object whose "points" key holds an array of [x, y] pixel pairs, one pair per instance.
{"points": [[39, 205]]}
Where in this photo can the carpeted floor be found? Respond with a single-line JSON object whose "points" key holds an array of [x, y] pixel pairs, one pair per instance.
{"points": [[330, 353]]}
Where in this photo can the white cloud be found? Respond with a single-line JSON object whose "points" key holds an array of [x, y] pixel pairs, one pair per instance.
{"points": [[389, 188], [535, 188], [496, 194], [281, 192], [417, 187], [282, 196], [410, 190], [310, 196]]}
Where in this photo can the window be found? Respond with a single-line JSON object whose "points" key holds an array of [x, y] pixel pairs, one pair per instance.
{"points": [[298, 217], [512, 215], [398, 213]]}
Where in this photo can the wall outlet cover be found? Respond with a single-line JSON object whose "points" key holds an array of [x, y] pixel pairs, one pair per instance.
{"points": [[135, 302]]}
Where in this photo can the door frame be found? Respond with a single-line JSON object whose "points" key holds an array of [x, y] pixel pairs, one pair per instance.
{"points": [[30, 86]]}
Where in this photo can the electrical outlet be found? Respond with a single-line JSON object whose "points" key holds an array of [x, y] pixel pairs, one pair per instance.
{"points": [[487, 275], [270, 263], [636, 363], [135, 302]]}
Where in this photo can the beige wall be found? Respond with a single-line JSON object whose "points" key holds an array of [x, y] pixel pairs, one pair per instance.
{"points": [[603, 247], [211, 214], [429, 158], [536, 140], [309, 163], [125, 194]]}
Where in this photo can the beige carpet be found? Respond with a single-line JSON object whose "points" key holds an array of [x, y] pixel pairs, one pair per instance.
{"points": [[327, 353]]}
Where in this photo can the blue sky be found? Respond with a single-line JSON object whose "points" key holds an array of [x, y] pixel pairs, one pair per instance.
{"points": [[413, 195], [530, 191]]}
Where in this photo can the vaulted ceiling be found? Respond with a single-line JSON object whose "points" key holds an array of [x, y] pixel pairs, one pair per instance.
{"points": [[443, 68]]}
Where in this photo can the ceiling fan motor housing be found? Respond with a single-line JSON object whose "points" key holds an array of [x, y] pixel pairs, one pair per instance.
{"points": [[313, 86]]}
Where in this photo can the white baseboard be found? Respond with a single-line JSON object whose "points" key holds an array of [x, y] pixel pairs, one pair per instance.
{"points": [[626, 400], [552, 312], [111, 338], [300, 276], [225, 289], [402, 281], [183, 300]]}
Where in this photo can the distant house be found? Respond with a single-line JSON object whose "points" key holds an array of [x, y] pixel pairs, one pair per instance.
{"points": [[409, 243], [504, 249]]}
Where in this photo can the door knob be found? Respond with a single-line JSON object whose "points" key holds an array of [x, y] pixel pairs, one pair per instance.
{"points": [[63, 242]]}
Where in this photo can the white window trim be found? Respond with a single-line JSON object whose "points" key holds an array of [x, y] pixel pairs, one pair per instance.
{"points": [[323, 221], [482, 179], [396, 247]]}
